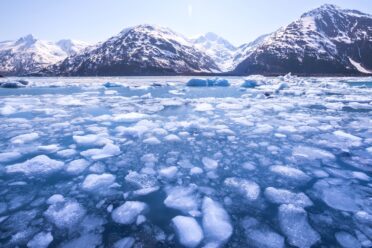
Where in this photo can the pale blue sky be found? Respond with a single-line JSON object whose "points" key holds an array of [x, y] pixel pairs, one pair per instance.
{"points": [[239, 21]]}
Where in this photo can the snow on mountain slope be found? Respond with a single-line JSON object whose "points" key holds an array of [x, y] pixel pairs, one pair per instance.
{"points": [[28, 54], [221, 50], [320, 42], [140, 50]]}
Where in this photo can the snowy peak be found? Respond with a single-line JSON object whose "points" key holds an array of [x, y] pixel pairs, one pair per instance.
{"points": [[140, 50], [27, 40], [217, 48], [71, 47]]}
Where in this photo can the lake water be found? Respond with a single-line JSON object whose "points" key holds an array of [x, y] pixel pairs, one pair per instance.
{"points": [[151, 162]]}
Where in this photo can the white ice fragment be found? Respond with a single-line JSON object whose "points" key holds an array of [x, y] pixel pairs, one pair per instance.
{"points": [[168, 172], [283, 196], [140, 219], [66, 153], [40, 165], [209, 164], [91, 140], [294, 224], [312, 153], [40, 240], [188, 230], [196, 171], [152, 141], [248, 189], [172, 138], [107, 151], [129, 117], [24, 138], [9, 156], [7, 110], [183, 199], [65, 214], [360, 175], [49, 148], [216, 223], [54, 199], [202, 107], [77, 166], [290, 172], [127, 213], [127, 242], [355, 141], [346, 240], [94, 182]]}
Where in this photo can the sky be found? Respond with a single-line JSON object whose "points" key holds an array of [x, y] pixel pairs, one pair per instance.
{"points": [[239, 21]]}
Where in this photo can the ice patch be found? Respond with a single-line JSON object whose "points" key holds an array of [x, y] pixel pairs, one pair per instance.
{"points": [[40, 240], [199, 82], [248, 189], [107, 151], [168, 172], [65, 214], [283, 196], [39, 165], [91, 140], [152, 141], [188, 230], [216, 223], [346, 240], [94, 182], [209, 164], [202, 107], [76, 167], [172, 138], [24, 138], [129, 117], [127, 213], [7, 110], [9, 156], [355, 141], [127, 242], [293, 223], [312, 153], [289, 172], [54, 199], [184, 199]]}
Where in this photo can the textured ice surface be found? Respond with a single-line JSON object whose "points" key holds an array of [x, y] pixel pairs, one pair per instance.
{"points": [[188, 230], [280, 162]]}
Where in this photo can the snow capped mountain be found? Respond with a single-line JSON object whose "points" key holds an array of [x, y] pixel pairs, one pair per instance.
{"points": [[28, 54], [327, 40], [217, 48], [140, 50]]}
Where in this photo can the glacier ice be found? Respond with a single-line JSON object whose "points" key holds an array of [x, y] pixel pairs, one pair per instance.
{"points": [[128, 212], [189, 232]]}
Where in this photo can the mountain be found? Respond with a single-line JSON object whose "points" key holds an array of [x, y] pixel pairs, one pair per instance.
{"points": [[28, 54], [327, 40], [219, 49], [140, 50]]}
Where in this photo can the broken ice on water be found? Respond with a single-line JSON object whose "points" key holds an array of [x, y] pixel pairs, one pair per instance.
{"points": [[175, 162]]}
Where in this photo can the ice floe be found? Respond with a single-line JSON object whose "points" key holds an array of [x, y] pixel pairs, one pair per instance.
{"points": [[128, 212], [188, 230], [39, 165]]}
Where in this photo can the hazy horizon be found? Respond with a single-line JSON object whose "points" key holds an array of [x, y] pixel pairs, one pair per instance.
{"points": [[94, 21]]}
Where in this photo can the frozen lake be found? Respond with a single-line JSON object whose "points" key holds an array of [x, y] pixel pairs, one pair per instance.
{"points": [[151, 162]]}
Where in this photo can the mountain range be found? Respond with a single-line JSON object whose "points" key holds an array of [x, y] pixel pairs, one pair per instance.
{"points": [[325, 41]]}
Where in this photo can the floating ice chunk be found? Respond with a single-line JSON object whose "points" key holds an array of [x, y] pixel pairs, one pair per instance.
{"points": [[263, 128], [107, 151], [90, 140], [248, 189], [216, 222], [54, 199], [66, 153], [129, 117], [40, 240], [312, 153], [172, 138], [249, 84], [127, 242], [127, 213], [94, 182], [293, 223], [65, 214], [188, 230], [145, 191], [283, 196], [337, 196], [196, 171], [168, 172], [281, 86], [261, 236], [360, 175], [24, 138], [140, 219], [152, 141], [9, 156], [201, 107], [354, 140], [290, 172], [142, 181], [76, 167], [199, 82], [184, 199], [49, 148], [40, 165], [346, 240], [7, 110], [209, 164], [249, 166]]}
